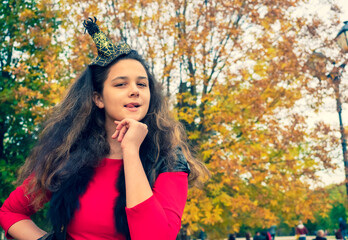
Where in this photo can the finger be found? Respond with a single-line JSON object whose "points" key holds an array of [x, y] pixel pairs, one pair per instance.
{"points": [[122, 133], [121, 124], [114, 136]]}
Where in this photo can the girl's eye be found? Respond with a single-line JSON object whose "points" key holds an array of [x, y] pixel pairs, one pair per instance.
{"points": [[142, 84], [119, 84]]}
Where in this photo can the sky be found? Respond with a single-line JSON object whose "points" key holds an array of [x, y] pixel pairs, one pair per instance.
{"points": [[344, 5], [319, 7]]}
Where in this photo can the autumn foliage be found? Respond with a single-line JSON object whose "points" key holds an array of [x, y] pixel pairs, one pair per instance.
{"points": [[237, 75]]}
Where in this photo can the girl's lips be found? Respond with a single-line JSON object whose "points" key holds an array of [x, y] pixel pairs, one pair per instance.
{"points": [[132, 107]]}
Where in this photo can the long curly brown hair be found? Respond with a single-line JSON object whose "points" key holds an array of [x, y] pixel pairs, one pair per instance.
{"points": [[74, 137]]}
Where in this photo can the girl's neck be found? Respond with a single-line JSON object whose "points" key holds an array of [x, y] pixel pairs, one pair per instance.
{"points": [[115, 149]]}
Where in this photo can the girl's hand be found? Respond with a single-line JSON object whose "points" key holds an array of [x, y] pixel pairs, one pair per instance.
{"points": [[130, 133]]}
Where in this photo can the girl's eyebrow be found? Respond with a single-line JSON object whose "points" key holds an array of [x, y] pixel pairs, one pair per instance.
{"points": [[127, 78]]}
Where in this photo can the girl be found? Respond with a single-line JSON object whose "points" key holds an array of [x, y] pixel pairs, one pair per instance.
{"points": [[110, 160]]}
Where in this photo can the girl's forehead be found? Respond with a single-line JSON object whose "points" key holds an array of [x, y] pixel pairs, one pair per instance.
{"points": [[127, 63], [127, 66]]}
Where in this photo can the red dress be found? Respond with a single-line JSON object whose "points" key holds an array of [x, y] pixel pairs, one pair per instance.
{"points": [[158, 217]]}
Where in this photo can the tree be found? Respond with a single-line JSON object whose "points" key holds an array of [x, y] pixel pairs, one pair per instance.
{"points": [[30, 79], [330, 221]]}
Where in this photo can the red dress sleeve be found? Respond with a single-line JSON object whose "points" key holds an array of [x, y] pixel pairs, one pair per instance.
{"points": [[159, 217], [16, 207]]}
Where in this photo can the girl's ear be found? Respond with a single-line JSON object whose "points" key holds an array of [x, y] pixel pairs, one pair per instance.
{"points": [[98, 100]]}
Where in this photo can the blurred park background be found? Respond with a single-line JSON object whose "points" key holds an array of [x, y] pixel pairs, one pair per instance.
{"points": [[257, 84]]}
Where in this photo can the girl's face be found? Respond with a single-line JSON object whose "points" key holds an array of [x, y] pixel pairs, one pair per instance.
{"points": [[126, 92]]}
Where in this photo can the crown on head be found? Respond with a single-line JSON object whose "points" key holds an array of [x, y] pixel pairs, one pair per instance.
{"points": [[107, 51]]}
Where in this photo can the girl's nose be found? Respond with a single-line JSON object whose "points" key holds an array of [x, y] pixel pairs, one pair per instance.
{"points": [[134, 91]]}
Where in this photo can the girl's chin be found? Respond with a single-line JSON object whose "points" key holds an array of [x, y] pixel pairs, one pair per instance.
{"points": [[136, 118]]}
